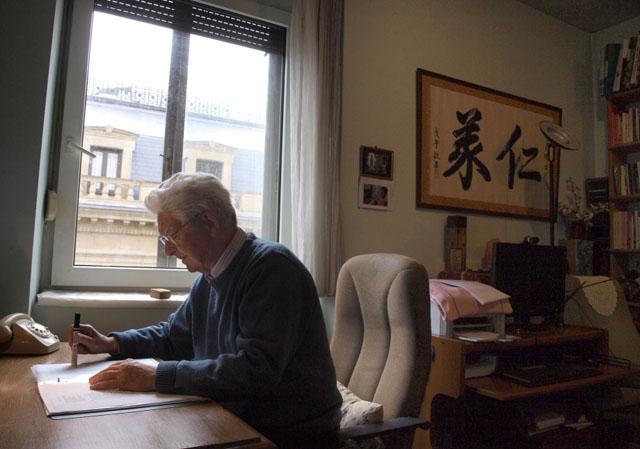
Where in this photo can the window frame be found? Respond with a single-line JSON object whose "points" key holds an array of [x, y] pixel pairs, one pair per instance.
{"points": [[63, 271]]}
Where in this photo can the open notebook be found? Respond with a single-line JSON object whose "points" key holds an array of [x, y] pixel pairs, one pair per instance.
{"points": [[65, 391]]}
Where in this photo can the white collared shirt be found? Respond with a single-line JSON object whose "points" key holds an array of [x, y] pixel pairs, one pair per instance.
{"points": [[229, 253]]}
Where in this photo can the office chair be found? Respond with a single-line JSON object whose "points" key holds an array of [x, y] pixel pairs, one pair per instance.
{"points": [[381, 340]]}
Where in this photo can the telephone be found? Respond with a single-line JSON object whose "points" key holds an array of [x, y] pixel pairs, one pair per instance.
{"points": [[19, 334]]}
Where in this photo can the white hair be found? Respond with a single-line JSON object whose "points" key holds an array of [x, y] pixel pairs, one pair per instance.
{"points": [[185, 195]]}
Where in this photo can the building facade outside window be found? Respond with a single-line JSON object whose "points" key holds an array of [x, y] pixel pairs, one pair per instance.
{"points": [[211, 167]]}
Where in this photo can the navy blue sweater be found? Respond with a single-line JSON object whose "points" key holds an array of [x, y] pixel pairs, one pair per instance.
{"points": [[253, 339]]}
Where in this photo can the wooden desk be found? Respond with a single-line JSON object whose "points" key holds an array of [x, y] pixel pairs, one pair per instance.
{"points": [[23, 423], [451, 356]]}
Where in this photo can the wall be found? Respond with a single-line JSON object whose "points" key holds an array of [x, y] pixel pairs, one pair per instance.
{"points": [[28, 57], [598, 42], [105, 320], [500, 44]]}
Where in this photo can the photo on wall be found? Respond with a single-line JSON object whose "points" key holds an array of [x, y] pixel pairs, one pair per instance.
{"points": [[374, 194], [376, 162]]}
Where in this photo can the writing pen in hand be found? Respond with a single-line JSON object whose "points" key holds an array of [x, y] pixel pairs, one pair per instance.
{"points": [[74, 346]]}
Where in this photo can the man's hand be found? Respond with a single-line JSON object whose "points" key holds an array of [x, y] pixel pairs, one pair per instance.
{"points": [[129, 375], [90, 341]]}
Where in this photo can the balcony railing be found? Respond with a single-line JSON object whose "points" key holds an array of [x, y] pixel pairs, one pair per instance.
{"points": [[153, 98], [115, 189]]}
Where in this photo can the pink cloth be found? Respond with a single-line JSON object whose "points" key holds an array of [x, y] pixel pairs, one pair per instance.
{"points": [[455, 302]]}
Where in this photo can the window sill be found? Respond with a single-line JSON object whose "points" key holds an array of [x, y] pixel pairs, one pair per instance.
{"points": [[107, 300]]}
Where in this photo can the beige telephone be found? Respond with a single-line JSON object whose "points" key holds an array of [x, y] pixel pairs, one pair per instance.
{"points": [[19, 334]]}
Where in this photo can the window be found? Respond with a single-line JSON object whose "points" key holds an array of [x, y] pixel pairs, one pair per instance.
{"points": [[208, 166], [180, 87], [107, 163]]}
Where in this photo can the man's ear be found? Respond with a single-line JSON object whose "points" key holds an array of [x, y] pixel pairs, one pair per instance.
{"points": [[214, 223]]}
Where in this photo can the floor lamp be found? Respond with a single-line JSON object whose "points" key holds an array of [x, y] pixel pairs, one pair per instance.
{"points": [[557, 139]]}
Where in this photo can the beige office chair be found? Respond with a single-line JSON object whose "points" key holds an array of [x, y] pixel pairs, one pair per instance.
{"points": [[381, 342]]}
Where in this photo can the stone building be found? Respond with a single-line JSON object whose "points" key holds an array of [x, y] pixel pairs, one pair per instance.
{"points": [[124, 128]]}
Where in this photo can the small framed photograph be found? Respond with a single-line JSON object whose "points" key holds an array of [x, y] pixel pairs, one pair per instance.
{"points": [[376, 162], [374, 194]]}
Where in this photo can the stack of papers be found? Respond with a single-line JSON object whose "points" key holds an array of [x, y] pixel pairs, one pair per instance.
{"points": [[484, 336], [457, 299], [544, 420], [482, 293], [65, 391]]}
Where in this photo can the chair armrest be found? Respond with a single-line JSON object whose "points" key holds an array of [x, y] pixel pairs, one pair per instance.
{"points": [[377, 429]]}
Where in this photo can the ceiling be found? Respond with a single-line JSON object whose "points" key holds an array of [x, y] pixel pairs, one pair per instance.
{"points": [[588, 15]]}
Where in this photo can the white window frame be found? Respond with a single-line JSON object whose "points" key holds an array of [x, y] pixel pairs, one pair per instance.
{"points": [[63, 271]]}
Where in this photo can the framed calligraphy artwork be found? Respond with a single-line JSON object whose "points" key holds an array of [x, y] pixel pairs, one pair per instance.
{"points": [[481, 150]]}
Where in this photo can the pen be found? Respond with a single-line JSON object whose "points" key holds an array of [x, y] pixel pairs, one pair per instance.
{"points": [[74, 346]]}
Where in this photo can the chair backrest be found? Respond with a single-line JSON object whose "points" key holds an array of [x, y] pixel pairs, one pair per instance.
{"points": [[623, 337], [381, 338]]}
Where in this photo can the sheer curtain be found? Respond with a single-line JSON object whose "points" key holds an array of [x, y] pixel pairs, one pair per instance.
{"points": [[312, 138]]}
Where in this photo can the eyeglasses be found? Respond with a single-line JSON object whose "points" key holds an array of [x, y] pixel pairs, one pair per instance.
{"points": [[170, 238]]}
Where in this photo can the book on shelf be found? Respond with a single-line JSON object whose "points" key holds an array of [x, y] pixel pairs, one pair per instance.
{"points": [[625, 125], [628, 63], [616, 180], [634, 68], [611, 52], [621, 65], [625, 226], [626, 179], [617, 83]]}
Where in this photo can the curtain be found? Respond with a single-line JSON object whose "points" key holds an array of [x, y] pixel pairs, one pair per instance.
{"points": [[312, 140]]}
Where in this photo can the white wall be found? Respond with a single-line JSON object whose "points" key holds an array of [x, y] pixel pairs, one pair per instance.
{"points": [[598, 42], [500, 44]]}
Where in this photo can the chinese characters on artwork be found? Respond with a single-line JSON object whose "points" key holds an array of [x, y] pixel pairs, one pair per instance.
{"points": [[463, 154], [466, 154]]}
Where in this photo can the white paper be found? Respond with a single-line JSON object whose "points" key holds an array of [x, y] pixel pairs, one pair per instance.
{"points": [[484, 336], [65, 390], [483, 293]]}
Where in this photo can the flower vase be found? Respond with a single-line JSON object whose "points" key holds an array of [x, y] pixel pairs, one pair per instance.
{"points": [[577, 230]]}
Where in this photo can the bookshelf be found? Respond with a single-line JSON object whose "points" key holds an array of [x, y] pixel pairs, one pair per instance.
{"points": [[623, 145]]}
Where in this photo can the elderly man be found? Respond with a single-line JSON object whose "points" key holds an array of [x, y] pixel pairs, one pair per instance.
{"points": [[250, 334]]}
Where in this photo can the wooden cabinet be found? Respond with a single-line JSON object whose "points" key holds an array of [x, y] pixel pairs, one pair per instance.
{"points": [[462, 409]]}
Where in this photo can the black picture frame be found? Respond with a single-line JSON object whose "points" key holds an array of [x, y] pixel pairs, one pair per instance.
{"points": [[376, 162]]}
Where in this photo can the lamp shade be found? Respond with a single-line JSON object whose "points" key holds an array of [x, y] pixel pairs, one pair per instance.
{"points": [[559, 136]]}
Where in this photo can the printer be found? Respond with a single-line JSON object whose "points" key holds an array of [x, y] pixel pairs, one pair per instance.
{"points": [[463, 306]]}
